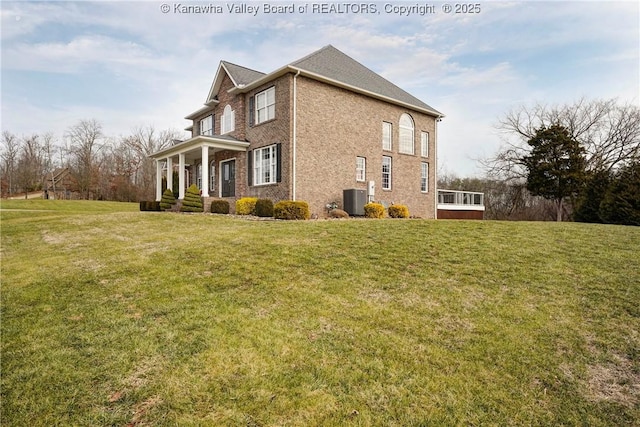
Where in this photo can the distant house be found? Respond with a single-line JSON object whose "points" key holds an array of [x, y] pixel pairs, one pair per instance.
{"points": [[60, 184], [308, 131]]}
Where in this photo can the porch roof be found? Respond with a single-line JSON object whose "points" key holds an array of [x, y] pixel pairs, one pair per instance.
{"points": [[221, 142]]}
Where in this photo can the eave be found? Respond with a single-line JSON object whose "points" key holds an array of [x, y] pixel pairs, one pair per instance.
{"points": [[295, 70], [208, 107], [219, 142]]}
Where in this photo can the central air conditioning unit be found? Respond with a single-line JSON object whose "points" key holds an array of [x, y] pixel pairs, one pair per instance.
{"points": [[353, 201]]}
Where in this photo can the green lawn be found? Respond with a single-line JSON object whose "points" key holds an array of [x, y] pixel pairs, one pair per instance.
{"points": [[116, 317]]}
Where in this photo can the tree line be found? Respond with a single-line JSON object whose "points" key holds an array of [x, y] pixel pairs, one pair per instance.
{"points": [[96, 166], [578, 161]]}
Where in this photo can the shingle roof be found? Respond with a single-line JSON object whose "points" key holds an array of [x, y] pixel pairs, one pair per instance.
{"points": [[331, 63], [241, 75]]}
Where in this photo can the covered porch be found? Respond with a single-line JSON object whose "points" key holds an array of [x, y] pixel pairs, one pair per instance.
{"points": [[198, 150]]}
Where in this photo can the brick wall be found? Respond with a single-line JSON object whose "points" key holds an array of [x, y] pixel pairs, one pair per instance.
{"points": [[334, 127], [271, 132]]}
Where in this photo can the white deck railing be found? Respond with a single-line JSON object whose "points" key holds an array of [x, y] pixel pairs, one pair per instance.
{"points": [[460, 200]]}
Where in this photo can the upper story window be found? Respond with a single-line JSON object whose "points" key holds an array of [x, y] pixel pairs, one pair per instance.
{"points": [[424, 144], [228, 120], [206, 126], [406, 134], [386, 135], [265, 105]]}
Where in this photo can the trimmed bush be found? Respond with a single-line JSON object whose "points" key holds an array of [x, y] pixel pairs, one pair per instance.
{"points": [[398, 211], [264, 208], [246, 206], [168, 199], [192, 201], [373, 210], [147, 206], [220, 206], [288, 209]]}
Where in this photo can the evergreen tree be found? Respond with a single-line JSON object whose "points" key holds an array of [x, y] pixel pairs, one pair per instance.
{"points": [[621, 204], [555, 166], [167, 199], [192, 201], [588, 206]]}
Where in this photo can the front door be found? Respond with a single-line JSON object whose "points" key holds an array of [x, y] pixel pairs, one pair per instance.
{"points": [[228, 184]]}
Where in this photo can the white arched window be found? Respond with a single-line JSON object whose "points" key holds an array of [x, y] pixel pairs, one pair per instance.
{"points": [[228, 120], [406, 134]]}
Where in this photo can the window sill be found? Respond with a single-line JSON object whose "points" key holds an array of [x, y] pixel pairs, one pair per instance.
{"points": [[262, 123]]}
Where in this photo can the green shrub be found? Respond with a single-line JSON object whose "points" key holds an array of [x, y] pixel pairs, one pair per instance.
{"points": [[398, 211], [373, 210], [288, 209], [246, 206], [264, 208], [220, 206], [150, 206], [192, 201], [168, 199]]}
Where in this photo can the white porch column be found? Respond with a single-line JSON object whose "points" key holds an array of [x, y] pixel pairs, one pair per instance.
{"points": [[158, 180], [181, 176], [205, 171], [170, 173]]}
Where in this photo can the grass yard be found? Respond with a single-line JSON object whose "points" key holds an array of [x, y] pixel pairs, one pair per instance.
{"points": [[113, 317]]}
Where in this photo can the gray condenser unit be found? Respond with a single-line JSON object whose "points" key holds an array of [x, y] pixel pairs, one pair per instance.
{"points": [[353, 201]]}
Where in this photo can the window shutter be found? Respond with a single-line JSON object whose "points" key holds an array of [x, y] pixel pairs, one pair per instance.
{"points": [[250, 167], [278, 162], [252, 109]]}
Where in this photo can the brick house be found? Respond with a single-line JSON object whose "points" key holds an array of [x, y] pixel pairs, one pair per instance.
{"points": [[307, 131]]}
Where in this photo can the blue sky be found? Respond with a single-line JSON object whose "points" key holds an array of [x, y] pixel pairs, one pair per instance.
{"points": [[127, 64]]}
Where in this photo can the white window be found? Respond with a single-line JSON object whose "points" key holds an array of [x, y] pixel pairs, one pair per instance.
{"points": [[424, 177], [212, 175], [386, 173], [264, 165], [424, 144], [199, 176], [406, 134], [228, 120], [386, 136], [361, 165], [266, 105], [206, 126]]}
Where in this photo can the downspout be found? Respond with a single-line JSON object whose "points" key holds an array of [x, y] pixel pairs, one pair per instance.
{"points": [[435, 165], [295, 131]]}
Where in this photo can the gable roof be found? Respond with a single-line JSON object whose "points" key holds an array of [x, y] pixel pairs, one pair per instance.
{"points": [[240, 76], [331, 63], [328, 65]]}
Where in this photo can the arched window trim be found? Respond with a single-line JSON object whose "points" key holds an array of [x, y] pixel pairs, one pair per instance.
{"points": [[227, 120], [406, 144]]}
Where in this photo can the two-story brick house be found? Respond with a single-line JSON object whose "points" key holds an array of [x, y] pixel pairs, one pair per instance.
{"points": [[307, 131]]}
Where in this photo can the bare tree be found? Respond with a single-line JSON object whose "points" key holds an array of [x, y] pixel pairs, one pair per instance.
{"points": [[608, 131], [9, 156], [85, 141], [145, 141], [30, 164]]}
